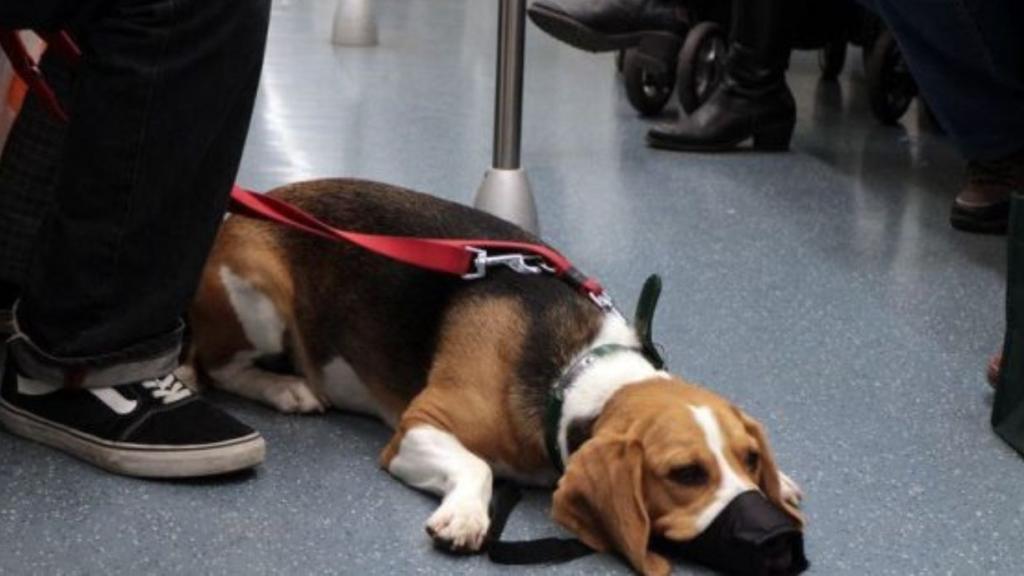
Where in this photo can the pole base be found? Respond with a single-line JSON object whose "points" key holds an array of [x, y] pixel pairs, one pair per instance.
{"points": [[355, 23], [507, 195]]}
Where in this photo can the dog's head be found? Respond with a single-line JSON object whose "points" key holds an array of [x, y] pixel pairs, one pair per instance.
{"points": [[665, 461]]}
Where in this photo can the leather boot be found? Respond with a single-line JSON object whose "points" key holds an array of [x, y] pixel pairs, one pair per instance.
{"points": [[753, 100], [607, 25]]}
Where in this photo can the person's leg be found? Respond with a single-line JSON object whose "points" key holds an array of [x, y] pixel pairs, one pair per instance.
{"points": [[753, 101], [967, 57], [605, 25], [159, 114], [29, 166], [162, 85]]}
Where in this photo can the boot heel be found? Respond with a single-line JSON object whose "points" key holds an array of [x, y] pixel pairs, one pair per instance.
{"points": [[773, 138]]}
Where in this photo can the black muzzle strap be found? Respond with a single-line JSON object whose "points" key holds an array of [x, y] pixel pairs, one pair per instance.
{"points": [[540, 551], [751, 537]]}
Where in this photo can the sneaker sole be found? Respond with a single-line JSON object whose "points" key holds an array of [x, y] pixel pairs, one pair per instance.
{"points": [[140, 460], [564, 28]]}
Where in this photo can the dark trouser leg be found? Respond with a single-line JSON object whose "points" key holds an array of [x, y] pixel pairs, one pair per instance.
{"points": [[159, 115], [28, 177], [968, 59]]}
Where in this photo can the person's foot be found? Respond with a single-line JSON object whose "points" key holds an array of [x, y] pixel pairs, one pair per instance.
{"points": [[154, 428], [983, 205], [753, 101], [607, 25], [730, 117]]}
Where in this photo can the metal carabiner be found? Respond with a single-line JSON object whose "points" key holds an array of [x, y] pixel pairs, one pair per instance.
{"points": [[605, 303], [518, 263]]}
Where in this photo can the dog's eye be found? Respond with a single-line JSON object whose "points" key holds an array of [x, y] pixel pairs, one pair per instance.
{"points": [[691, 475], [753, 460]]}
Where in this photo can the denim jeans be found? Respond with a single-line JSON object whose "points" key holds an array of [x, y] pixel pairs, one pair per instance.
{"points": [[968, 59], [159, 110]]}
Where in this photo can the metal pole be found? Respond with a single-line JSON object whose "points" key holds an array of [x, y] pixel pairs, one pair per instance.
{"points": [[508, 99], [355, 23], [505, 191]]}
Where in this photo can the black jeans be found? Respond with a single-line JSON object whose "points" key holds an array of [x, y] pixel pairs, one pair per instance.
{"points": [[159, 113]]}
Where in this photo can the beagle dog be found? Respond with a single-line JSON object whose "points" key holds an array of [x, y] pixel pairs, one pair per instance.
{"points": [[462, 371]]}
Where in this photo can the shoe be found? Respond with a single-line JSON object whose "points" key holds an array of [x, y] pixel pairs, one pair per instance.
{"points": [[154, 428], [753, 101], [983, 205], [608, 25], [730, 117]]}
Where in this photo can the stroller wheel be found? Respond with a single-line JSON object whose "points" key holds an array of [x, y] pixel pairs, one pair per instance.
{"points": [[891, 88], [649, 81], [701, 65], [832, 59]]}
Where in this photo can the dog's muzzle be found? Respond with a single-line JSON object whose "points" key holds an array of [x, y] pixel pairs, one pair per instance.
{"points": [[751, 536]]}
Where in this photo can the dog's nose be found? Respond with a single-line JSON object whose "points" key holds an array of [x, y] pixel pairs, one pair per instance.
{"points": [[750, 537]]}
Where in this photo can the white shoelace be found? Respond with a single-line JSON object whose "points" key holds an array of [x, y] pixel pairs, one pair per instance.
{"points": [[169, 389]]}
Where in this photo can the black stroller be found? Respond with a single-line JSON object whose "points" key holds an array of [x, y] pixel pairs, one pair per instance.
{"points": [[692, 66]]}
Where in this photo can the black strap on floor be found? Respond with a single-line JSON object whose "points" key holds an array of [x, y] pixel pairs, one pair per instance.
{"points": [[540, 551]]}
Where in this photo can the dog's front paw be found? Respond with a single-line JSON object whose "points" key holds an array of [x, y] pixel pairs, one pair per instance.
{"points": [[791, 491], [459, 525]]}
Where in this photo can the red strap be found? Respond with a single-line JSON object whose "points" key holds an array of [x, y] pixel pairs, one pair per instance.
{"points": [[62, 44], [416, 251], [27, 69], [448, 255]]}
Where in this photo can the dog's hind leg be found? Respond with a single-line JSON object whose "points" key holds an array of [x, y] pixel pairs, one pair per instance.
{"points": [[433, 460], [240, 318]]}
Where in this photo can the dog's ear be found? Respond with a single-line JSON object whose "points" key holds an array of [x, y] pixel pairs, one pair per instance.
{"points": [[600, 498], [768, 477]]}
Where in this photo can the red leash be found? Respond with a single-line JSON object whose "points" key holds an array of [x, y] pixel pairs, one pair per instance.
{"points": [[28, 69], [466, 258]]}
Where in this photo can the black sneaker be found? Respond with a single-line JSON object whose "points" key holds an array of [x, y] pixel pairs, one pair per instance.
{"points": [[155, 428]]}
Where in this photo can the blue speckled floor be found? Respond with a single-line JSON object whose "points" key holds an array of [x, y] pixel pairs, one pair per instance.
{"points": [[822, 289]]}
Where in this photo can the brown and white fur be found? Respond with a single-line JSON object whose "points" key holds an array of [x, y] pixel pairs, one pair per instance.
{"points": [[461, 369]]}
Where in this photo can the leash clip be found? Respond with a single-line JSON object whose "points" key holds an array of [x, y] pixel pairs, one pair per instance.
{"points": [[604, 302], [519, 263]]}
